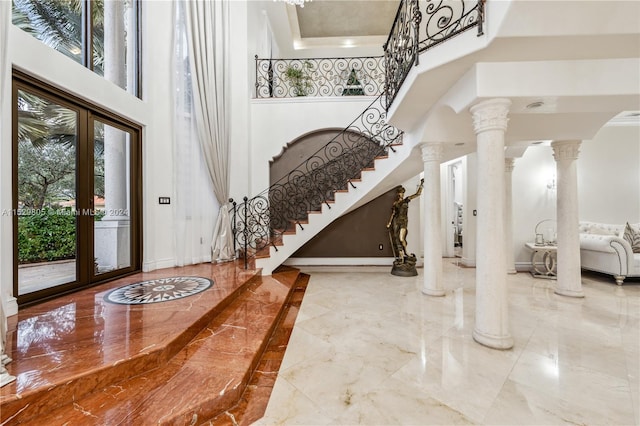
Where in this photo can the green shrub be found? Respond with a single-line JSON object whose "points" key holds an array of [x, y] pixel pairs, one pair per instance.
{"points": [[46, 235]]}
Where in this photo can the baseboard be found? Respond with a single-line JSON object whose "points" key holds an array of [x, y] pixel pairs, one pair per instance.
{"points": [[10, 306], [469, 263], [158, 264], [340, 261]]}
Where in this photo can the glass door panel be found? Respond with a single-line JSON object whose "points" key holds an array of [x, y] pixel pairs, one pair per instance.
{"points": [[46, 193], [111, 198]]}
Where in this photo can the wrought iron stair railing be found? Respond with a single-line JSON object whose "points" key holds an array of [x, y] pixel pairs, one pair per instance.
{"points": [[420, 25], [261, 221]]}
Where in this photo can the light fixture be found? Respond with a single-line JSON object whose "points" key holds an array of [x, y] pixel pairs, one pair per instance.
{"points": [[551, 183], [534, 105], [294, 2]]}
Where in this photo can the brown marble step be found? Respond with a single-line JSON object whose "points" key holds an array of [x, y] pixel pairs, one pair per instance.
{"points": [[77, 344], [253, 403], [205, 378]]}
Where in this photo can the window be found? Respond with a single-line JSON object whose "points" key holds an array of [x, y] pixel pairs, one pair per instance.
{"points": [[103, 35]]}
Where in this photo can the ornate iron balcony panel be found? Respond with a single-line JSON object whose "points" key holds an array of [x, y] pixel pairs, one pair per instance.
{"points": [[286, 78], [401, 48], [420, 25], [444, 19]]}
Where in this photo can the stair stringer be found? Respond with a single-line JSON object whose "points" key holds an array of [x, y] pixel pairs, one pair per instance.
{"points": [[344, 201]]}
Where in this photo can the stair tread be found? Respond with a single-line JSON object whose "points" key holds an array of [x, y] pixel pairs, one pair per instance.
{"points": [[219, 360]]}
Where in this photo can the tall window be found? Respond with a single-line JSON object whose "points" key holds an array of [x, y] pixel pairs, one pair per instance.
{"points": [[103, 35]]}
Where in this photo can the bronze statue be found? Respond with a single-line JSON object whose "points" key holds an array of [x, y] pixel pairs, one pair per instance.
{"points": [[405, 264]]}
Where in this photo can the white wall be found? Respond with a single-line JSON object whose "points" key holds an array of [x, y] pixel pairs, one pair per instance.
{"points": [[609, 176], [532, 201], [608, 184]]}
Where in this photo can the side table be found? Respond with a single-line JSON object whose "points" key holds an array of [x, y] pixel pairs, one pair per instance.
{"points": [[545, 255]]}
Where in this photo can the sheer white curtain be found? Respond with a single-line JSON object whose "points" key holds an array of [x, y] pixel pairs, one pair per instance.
{"points": [[194, 200], [208, 42], [5, 23]]}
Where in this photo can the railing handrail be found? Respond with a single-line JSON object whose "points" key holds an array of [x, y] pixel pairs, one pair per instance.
{"points": [[328, 57]]}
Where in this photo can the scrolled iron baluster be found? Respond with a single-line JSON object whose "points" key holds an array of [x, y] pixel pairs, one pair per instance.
{"points": [[246, 236], [233, 228], [480, 17]]}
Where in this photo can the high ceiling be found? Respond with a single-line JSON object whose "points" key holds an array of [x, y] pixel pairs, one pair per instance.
{"points": [[339, 18]]}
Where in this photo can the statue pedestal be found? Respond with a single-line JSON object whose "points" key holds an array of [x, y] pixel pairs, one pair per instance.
{"points": [[404, 267]]}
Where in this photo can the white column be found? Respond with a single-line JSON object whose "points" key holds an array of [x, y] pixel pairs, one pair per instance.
{"points": [[112, 233], [432, 204], [569, 278], [508, 215], [492, 319]]}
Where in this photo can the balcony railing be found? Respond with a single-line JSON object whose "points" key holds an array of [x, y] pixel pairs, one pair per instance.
{"points": [[420, 25], [285, 78]]}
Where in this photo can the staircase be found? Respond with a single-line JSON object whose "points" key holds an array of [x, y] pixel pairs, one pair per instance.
{"points": [[348, 171]]}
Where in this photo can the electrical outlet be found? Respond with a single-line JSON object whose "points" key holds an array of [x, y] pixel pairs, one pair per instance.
{"points": [[164, 200], [380, 247]]}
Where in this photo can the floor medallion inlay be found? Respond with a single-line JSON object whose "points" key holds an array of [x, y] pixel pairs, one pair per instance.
{"points": [[158, 290]]}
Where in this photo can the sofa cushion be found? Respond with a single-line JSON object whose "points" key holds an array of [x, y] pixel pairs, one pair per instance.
{"points": [[633, 238], [599, 230]]}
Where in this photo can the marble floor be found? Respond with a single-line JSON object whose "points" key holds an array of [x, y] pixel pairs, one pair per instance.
{"points": [[369, 348]]}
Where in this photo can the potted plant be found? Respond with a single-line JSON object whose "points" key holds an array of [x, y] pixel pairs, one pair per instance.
{"points": [[299, 79]]}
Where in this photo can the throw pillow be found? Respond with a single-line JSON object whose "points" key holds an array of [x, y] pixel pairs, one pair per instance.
{"points": [[632, 237]]}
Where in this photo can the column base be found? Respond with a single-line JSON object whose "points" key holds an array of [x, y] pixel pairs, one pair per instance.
{"points": [[569, 293], [436, 292], [512, 271], [493, 342]]}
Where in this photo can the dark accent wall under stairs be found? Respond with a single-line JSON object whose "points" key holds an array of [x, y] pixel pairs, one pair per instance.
{"points": [[356, 234]]}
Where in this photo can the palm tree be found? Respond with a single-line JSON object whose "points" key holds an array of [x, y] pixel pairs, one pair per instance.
{"points": [[58, 24]]}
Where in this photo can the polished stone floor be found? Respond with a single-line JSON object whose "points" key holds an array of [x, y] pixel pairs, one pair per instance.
{"points": [[369, 348]]}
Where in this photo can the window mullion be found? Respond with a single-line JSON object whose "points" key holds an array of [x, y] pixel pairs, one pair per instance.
{"points": [[87, 34]]}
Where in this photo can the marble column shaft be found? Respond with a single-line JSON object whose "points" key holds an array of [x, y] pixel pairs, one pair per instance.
{"points": [[569, 278], [432, 203], [492, 319], [508, 215]]}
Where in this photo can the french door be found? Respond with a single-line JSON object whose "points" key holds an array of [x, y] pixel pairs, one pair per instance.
{"points": [[76, 193]]}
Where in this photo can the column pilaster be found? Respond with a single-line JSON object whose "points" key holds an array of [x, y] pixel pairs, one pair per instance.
{"points": [[431, 199], [492, 319], [569, 277]]}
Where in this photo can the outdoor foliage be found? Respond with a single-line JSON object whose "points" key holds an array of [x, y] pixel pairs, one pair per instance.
{"points": [[47, 235]]}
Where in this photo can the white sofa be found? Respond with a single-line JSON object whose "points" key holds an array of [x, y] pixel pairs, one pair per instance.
{"points": [[602, 249]]}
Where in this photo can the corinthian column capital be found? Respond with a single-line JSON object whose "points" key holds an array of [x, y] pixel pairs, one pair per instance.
{"points": [[565, 150], [490, 115], [432, 151], [509, 163]]}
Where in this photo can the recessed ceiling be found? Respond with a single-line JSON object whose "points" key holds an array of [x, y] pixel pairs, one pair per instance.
{"points": [[338, 18]]}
